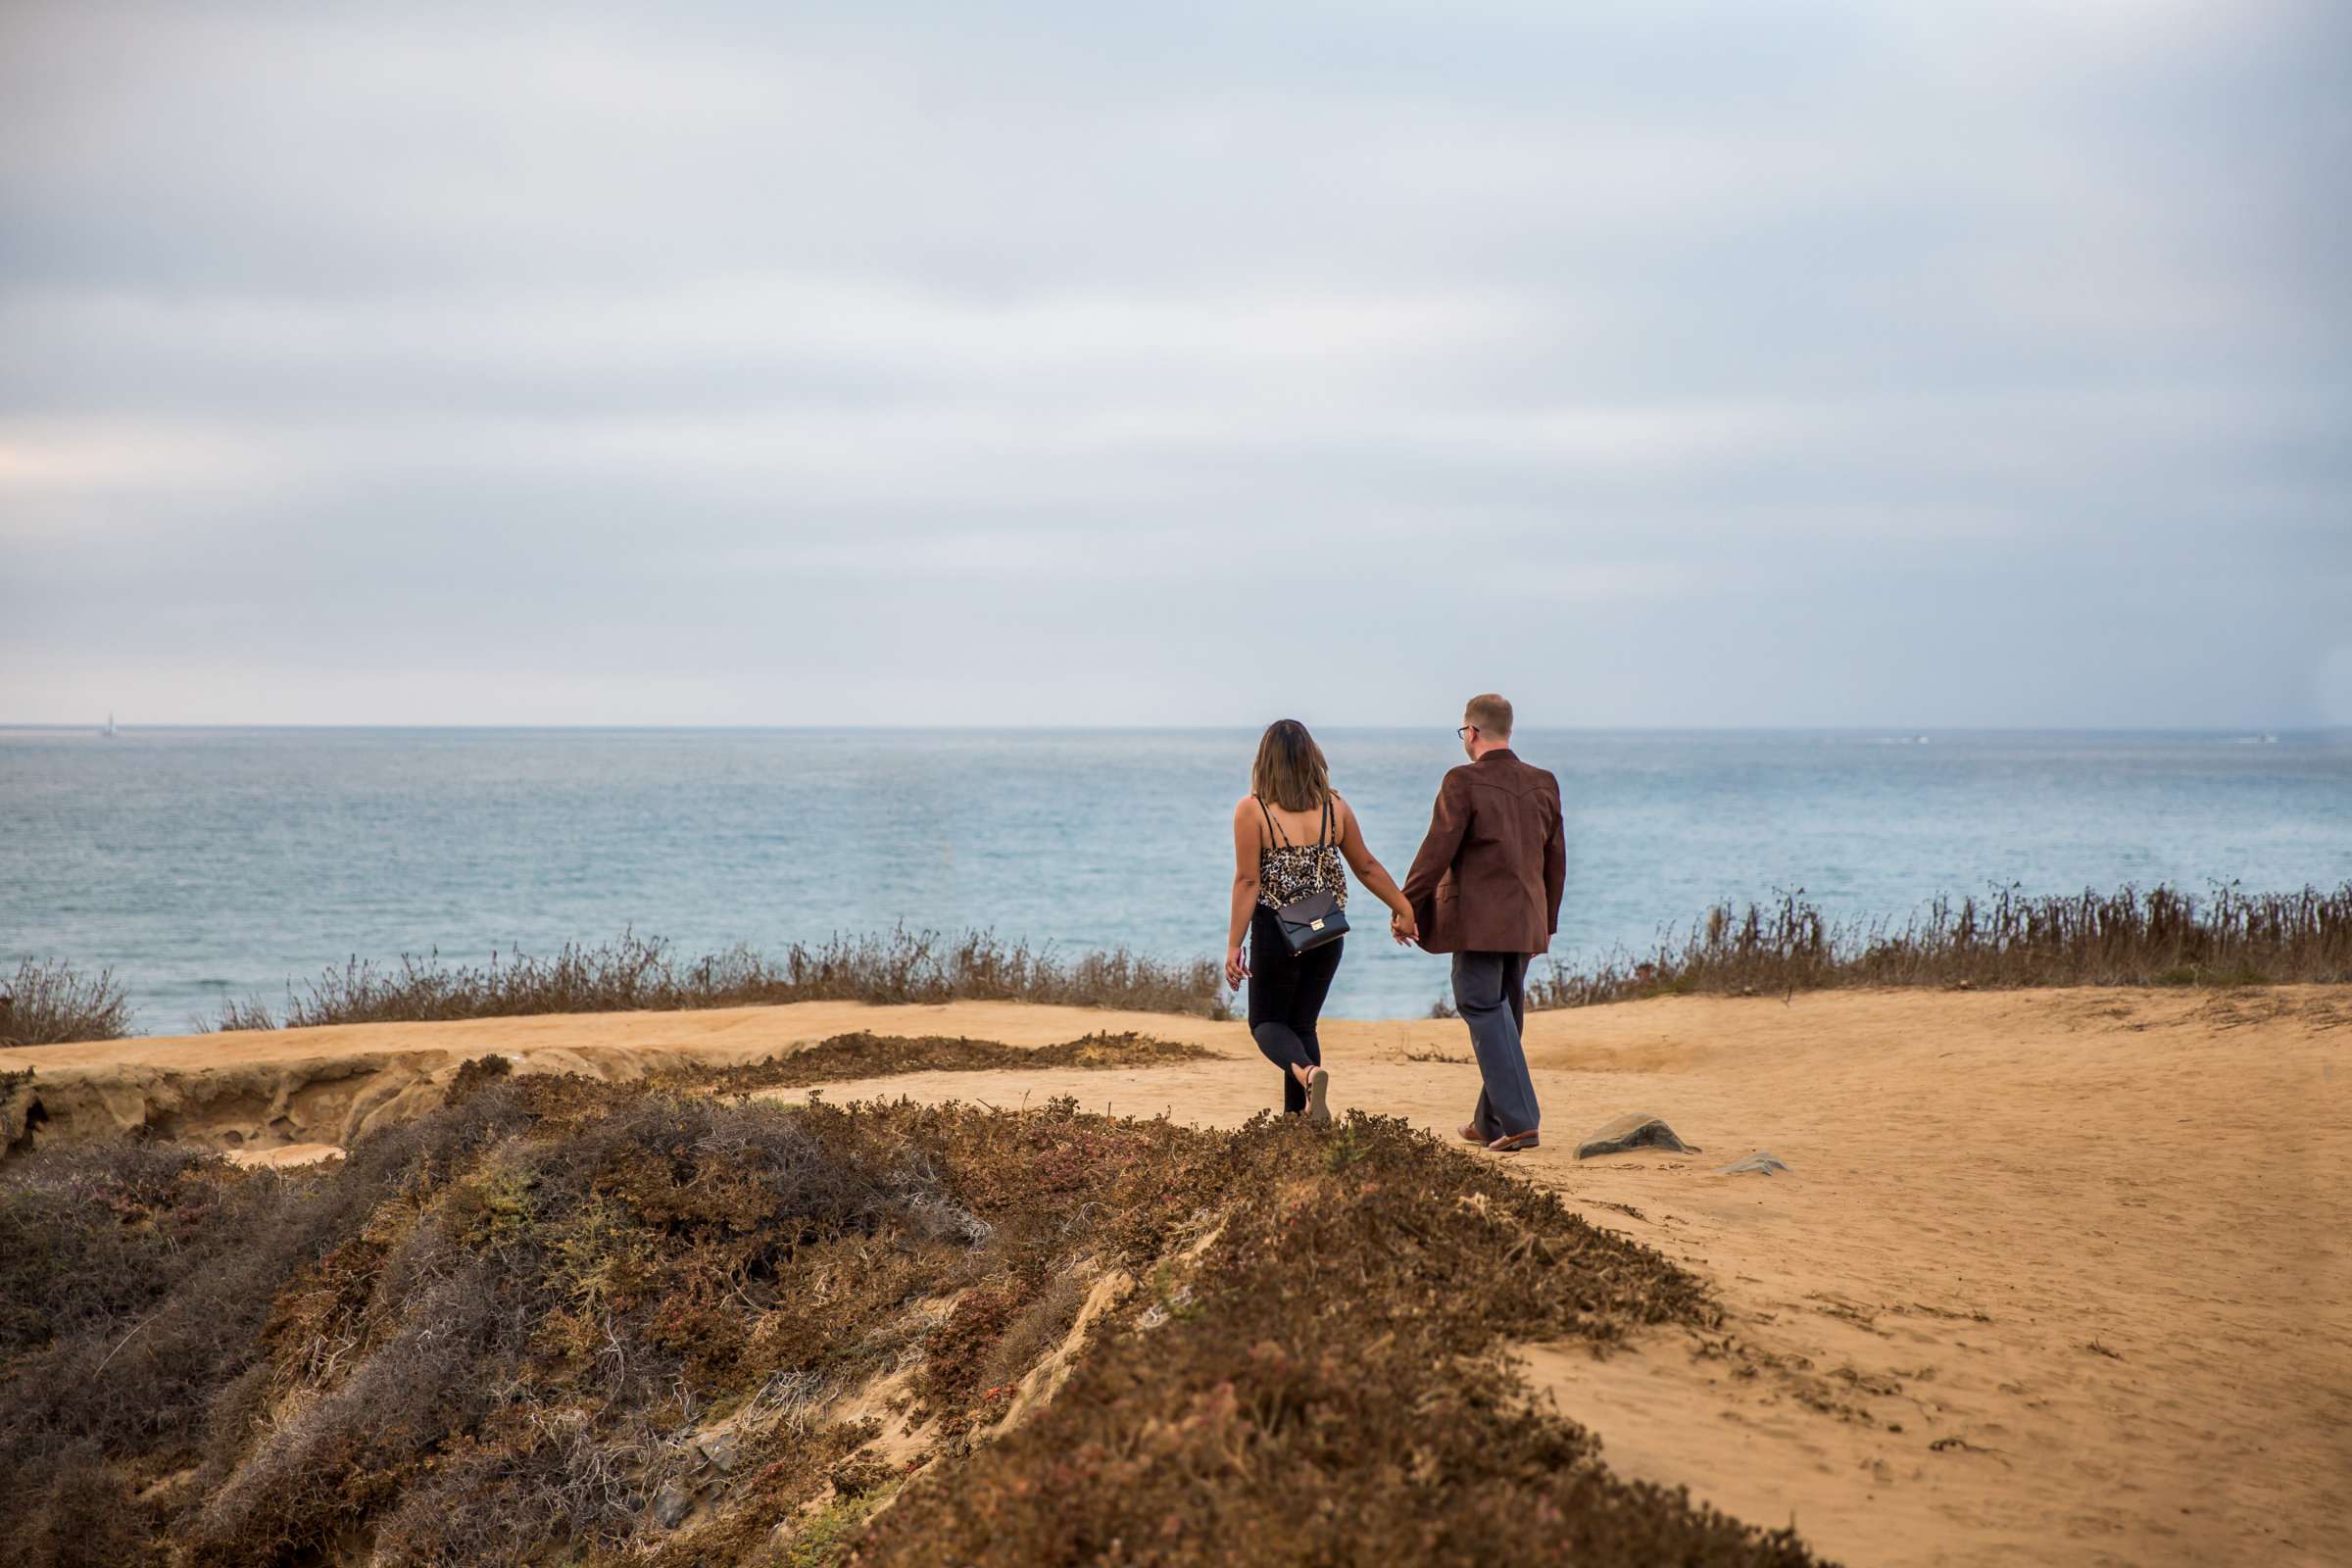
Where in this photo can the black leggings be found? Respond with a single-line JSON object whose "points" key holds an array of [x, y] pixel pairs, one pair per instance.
{"points": [[1286, 996]]}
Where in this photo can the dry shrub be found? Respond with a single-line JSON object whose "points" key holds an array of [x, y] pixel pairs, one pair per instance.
{"points": [[86, 1518], [236, 1016], [975, 966], [51, 1003], [2127, 938], [1033, 1331], [488, 1334], [503, 1366], [635, 973], [69, 1263], [958, 1352], [19, 1111], [1322, 1386], [870, 1055], [476, 1073], [1104, 1049], [137, 1282]]}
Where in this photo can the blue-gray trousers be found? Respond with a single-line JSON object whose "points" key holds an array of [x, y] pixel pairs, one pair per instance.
{"points": [[1489, 991]]}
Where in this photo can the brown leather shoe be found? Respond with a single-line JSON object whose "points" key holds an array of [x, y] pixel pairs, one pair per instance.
{"points": [[1470, 1133], [1512, 1143]]}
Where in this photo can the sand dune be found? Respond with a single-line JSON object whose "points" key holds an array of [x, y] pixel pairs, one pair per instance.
{"points": [[2055, 1277]]}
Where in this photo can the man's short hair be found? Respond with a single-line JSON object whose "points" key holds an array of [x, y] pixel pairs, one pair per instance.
{"points": [[1492, 714]]}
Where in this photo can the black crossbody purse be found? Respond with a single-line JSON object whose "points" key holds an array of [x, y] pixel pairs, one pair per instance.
{"points": [[1311, 922], [1317, 919]]}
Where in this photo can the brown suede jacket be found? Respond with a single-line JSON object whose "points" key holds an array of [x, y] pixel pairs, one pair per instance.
{"points": [[1490, 873]]}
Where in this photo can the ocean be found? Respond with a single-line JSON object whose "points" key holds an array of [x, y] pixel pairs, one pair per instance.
{"points": [[202, 864]]}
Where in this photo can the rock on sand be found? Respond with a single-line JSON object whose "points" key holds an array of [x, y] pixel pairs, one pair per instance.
{"points": [[1632, 1130]]}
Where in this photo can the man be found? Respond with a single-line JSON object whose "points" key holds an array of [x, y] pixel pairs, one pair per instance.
{"points": [[1485, 888]]}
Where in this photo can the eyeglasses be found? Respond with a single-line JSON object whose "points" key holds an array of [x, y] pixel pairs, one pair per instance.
{"points": [[1465, 732]]}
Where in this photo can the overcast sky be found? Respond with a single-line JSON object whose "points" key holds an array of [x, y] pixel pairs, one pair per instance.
{"points": [[1658, 363]]}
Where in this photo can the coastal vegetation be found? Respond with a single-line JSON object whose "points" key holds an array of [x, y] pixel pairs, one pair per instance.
{"points": [[869, 1056], [48, 1003], [638, 974], [2133, 937], [2158, 935], [566, 1320]]}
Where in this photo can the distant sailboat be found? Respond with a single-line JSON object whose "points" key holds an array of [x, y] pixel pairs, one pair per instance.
{"points": [[109, 731]]}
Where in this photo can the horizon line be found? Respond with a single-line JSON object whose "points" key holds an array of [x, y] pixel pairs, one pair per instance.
{"points": [[8, 726]]}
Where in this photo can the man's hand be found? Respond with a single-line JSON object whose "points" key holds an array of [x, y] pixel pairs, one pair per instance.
{"points": [[1404, 928]]}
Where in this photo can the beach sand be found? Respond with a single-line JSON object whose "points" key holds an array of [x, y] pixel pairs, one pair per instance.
{"points": [[2054, 1276]]}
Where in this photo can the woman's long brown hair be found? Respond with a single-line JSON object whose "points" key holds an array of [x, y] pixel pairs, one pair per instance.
{"points": [[1290, 769]]}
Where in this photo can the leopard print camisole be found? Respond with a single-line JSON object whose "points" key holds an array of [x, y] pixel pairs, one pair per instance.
{"points": [[1287, 872]]}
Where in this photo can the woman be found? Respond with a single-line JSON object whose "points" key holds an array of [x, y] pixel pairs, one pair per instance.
{"points": [[1290, 833]]}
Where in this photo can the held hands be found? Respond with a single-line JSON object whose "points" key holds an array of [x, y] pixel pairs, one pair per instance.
{"points": [[1237, 966], [1404, 928]]}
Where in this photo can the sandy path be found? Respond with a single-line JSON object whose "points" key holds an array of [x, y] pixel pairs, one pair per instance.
{"points": [[1984, 1186]]}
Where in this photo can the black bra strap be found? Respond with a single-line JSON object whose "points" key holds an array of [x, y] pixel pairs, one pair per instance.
{"points": [[1273, 827], [1324, 838]]}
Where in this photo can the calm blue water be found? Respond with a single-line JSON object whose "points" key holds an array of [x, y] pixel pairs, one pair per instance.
{"points": [[207, 863]]}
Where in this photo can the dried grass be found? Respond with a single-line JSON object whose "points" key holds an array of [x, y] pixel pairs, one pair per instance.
{"points": [[490, 1335], [869, 1056], [51, 1003], [2157, 937], [1322, 1381], [635, 973]]}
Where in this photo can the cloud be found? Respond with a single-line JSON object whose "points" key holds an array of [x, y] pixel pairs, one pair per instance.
{"points": [[1790, 364]]}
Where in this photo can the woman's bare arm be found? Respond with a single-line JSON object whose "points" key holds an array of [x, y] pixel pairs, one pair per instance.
{"points": [[1247, 837], [1367, 867]]}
